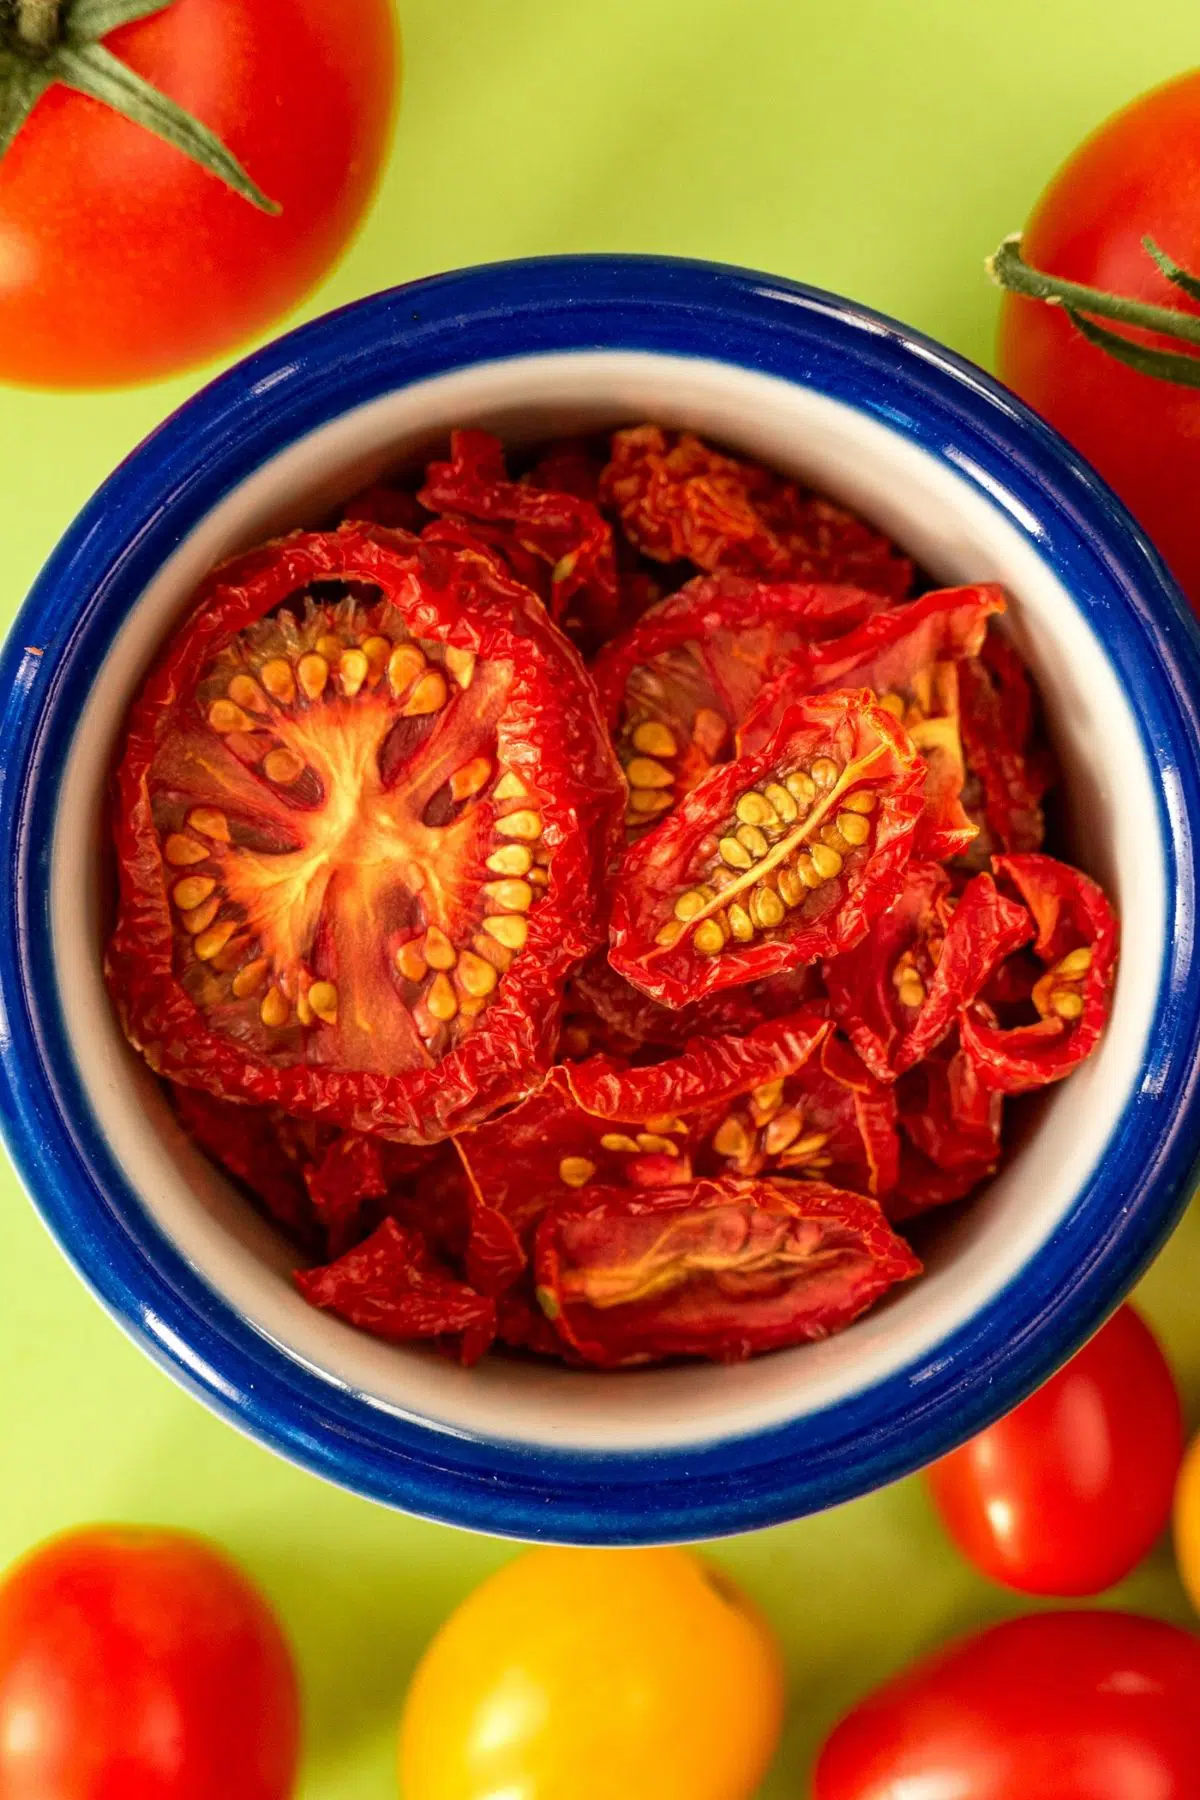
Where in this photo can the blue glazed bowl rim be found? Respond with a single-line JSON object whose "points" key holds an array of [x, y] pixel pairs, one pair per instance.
{"points": [[157, 497]]}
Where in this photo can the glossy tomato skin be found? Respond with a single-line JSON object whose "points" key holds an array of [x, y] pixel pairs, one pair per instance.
{"points": [[140, 1664], [1136, 176], [1056, 1706], [592, 1674], [1187, 1523], [125, 261], [1070, 1491]]}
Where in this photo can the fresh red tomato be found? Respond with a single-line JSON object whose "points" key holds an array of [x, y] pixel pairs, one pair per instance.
{"points": [[1058, 1706], [140, 1664], [121, 259], [1136, 176], [1068, 1492]]}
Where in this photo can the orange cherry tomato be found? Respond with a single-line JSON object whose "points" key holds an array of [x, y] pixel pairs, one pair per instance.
{"points": [[1187, 1523], [595, 1675], [1068, 1492]]}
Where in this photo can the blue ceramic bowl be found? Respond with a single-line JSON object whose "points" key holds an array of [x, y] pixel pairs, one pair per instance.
{"points": [[975, 487]]}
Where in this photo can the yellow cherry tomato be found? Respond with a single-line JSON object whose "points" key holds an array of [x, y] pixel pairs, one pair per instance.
{"points": [[1187, 1523], [595, 1675]]}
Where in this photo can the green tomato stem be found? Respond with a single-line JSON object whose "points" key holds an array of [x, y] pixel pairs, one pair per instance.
{"points": [[38, 23]]}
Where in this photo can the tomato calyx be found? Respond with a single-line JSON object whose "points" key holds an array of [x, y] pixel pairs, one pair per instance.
{"points": [[44, 43], [1084, 305]]}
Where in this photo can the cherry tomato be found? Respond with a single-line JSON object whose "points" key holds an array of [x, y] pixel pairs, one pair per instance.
{"points": [[1136, 176], [362, 808], [1067, 1493], [140, 1664], [1058, 1706], [123, 259], [1187, 1523], [588, 1674]]}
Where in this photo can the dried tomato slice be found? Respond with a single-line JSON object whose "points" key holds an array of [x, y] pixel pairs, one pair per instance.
{"points": [[566, 532], [909, 657], [360, 829], [828, 1120], [679, 499], [602, 1122], [779, 859], [392, 1287], [952, 1124], [675, 689], [1077, 945], [384, 504], [717, 1269], [898, 993]]}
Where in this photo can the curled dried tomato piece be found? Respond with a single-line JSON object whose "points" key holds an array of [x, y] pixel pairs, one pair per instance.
{"points": [[828, 1120], [603, 1122], [606, 1013], [910, 658], [392, 1287], [1006, 776], [717, 1269], [383, 504], [952, 1124], [899, 993], [678, 499], [674, 690], [263, 1149], [565, 532], [1076, 944], [776, 860], [362, 808]]}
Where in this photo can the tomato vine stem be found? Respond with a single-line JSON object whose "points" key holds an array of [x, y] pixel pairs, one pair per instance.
{"points": [[1084, 305]]}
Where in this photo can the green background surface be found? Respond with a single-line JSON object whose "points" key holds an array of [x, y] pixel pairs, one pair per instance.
{"points": [[877, 147]]}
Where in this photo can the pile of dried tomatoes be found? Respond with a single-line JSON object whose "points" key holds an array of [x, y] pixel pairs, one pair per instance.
{"points": [[590, 909]]}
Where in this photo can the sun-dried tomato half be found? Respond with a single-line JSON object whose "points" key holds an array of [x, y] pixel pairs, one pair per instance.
{"points": [[952, 1126], [392, 1287], [567, 533], [829, 1120], [910, 658], [717, 1269], [361, 813], [678, 499], [602, 1122], [1076, 944], [898, 993], [674, 690], [776, 860]]}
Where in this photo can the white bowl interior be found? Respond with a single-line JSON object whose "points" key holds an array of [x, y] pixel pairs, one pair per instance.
{"points": [[959, 527]]}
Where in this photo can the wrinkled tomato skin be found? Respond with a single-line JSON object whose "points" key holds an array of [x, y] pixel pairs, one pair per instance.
{"points": [[465, 605], [124, 259], [1067, 1493], [1055, 1706], [140, 1664], [1135, 176]]}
